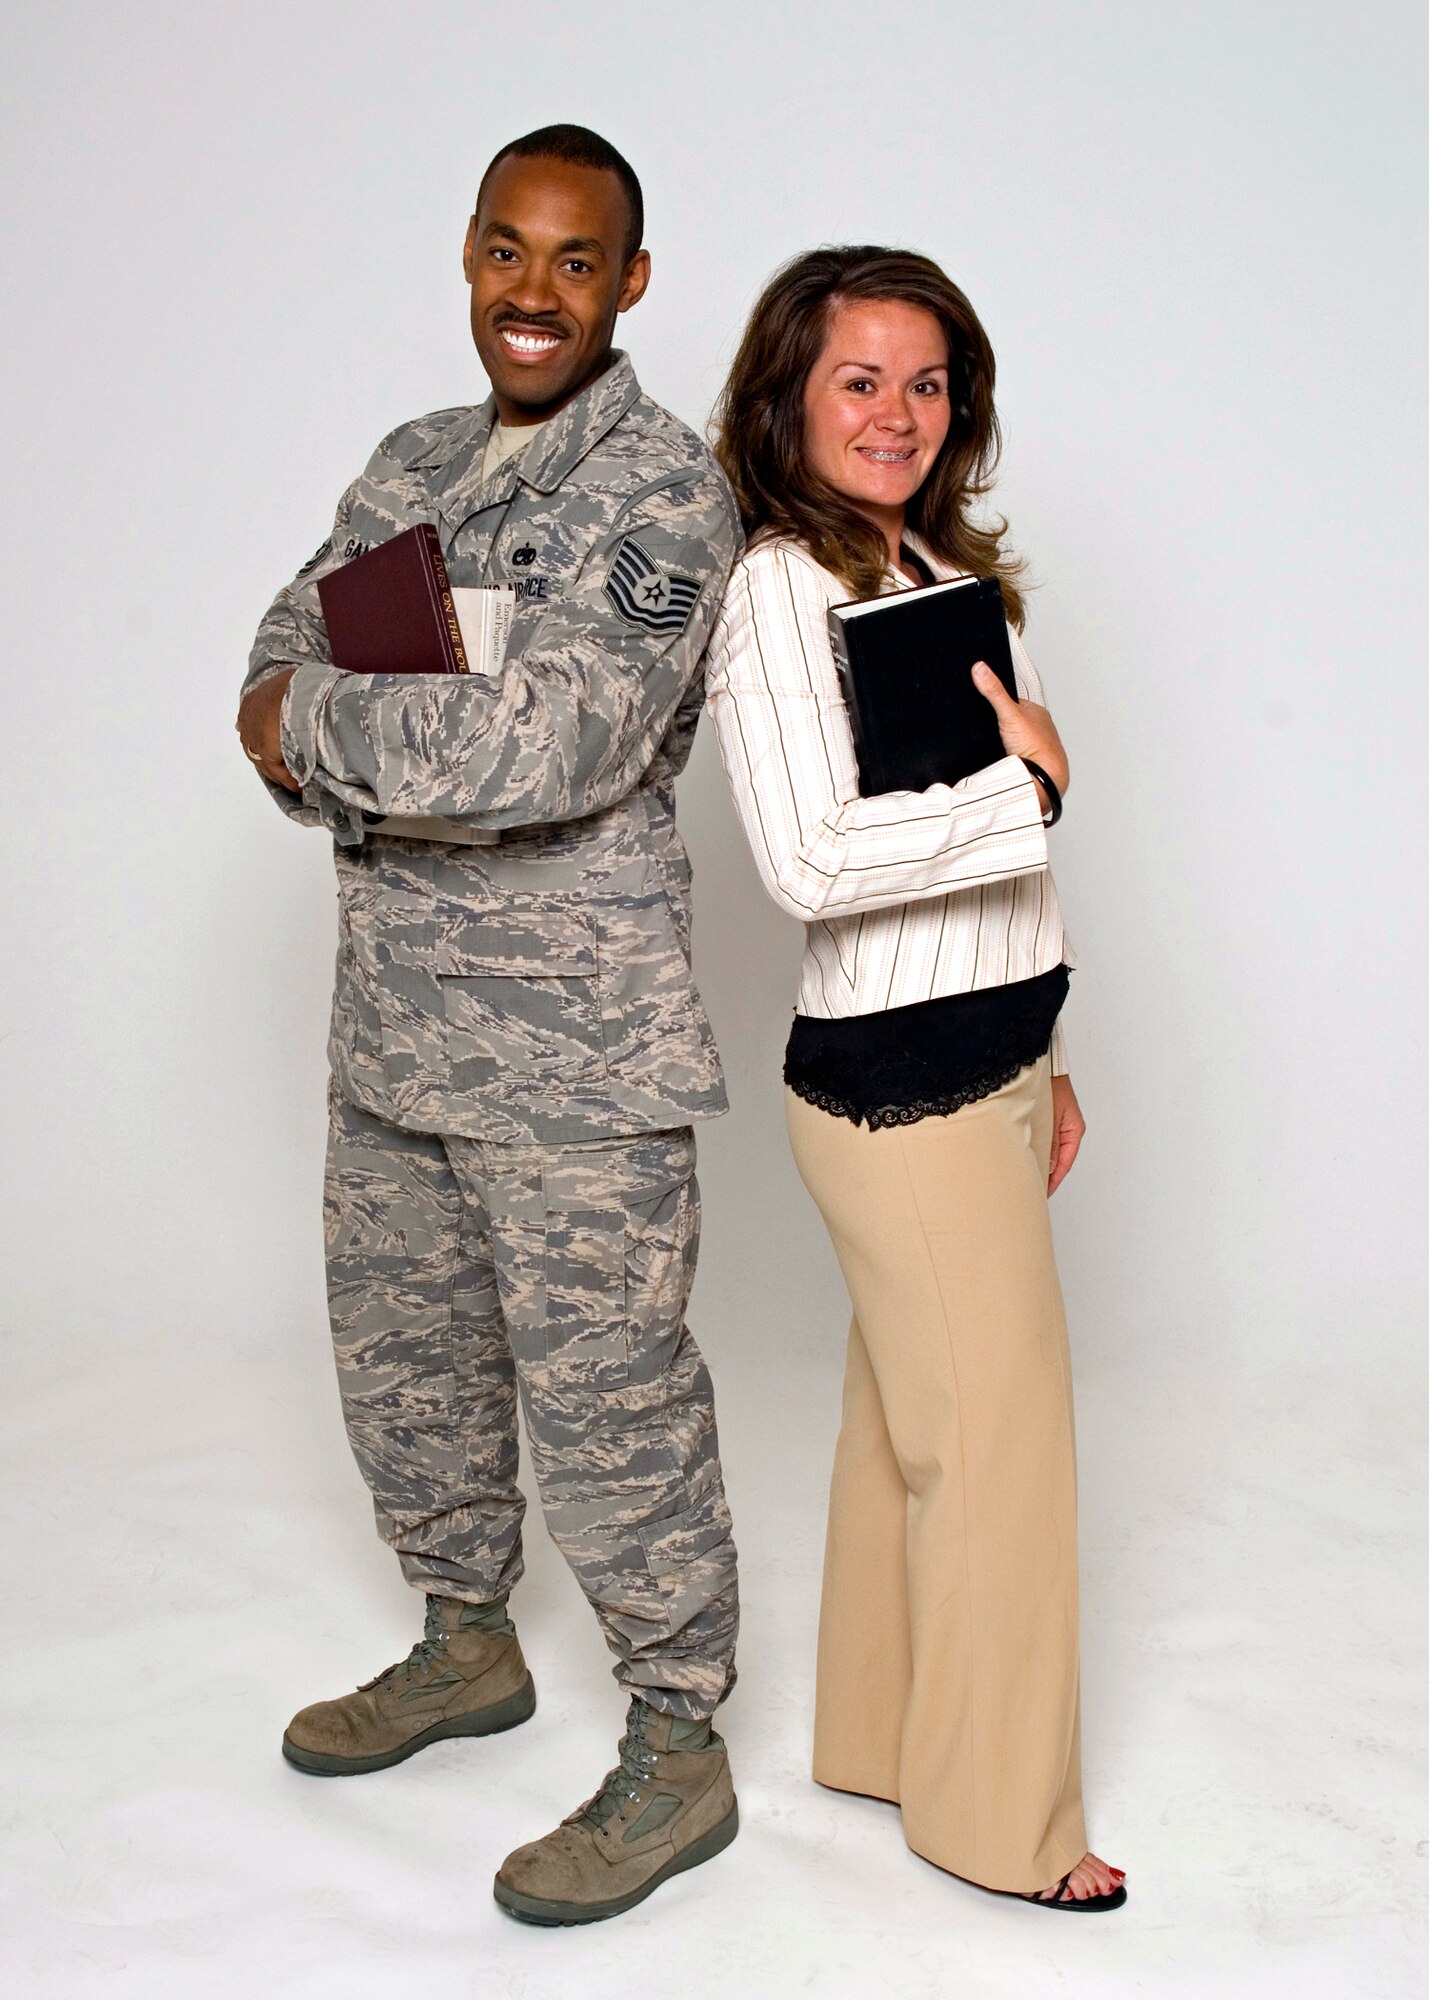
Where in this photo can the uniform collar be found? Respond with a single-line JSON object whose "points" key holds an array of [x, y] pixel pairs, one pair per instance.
{"points": [[547, 461], [572, 432]]}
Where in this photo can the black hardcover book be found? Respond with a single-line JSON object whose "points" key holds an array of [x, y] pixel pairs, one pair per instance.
{"points": [[906, 662]]}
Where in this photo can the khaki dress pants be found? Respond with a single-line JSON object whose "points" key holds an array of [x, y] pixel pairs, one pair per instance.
{"points": [[948, 1657]]}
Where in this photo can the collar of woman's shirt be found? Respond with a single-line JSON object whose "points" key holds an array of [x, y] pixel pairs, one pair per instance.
{"points": [[939, 571]]}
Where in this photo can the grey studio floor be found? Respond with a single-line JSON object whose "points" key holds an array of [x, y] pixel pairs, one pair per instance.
{"points": [[196, 1561]]}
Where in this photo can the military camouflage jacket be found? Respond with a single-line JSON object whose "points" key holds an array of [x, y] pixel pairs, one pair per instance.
{"points": [[538, 987]]}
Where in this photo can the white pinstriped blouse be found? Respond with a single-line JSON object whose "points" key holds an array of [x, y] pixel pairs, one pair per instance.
{"points": [[908, 897]]}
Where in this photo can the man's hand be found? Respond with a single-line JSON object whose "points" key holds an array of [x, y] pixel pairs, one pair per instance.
{"points": [[1026, 729], [1068, 1129], [259, 729]]}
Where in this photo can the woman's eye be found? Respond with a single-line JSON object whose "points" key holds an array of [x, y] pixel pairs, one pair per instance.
{"points": [[928, 388], [859, 385]]}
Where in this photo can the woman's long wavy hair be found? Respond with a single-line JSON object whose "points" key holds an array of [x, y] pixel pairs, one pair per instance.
{"points": [[759, 421]]}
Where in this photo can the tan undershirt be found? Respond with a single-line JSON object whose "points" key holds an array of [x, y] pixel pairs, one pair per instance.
{"points": [[505, 441]]}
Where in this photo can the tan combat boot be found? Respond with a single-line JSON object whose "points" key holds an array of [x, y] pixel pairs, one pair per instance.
{"points": [[668, 1805], [465, 1678]]}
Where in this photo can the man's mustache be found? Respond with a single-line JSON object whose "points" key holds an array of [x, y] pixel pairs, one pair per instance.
{"points": [[551, 324]]}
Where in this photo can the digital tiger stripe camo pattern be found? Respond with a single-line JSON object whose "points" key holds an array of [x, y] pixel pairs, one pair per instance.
{"points": [[517, 1045], [540, 988], [461, 1275]]}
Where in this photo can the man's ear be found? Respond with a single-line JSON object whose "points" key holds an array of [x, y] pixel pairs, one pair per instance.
{"points": [[468, 251], [632, 285]]}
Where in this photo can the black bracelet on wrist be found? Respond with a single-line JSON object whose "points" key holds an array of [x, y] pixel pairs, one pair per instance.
{"points": [[1049, 788]]}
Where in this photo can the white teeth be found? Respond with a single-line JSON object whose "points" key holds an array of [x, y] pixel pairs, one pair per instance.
{"points": [[529, 343], [886, 457]]}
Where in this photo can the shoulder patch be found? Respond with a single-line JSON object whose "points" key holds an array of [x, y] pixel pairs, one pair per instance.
{"points": [[647, 594], [319, 554]]}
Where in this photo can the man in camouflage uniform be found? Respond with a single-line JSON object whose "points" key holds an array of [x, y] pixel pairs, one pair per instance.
{"points": [[517, 1047]]}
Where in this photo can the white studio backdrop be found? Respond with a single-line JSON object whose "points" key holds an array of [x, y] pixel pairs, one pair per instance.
{"points": [[232, 242]]}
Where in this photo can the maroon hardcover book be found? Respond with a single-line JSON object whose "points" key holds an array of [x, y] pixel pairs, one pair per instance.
{"points": [[391, 611]]}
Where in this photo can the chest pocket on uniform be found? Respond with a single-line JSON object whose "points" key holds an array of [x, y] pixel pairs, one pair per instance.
{"points": [[521, 1004], [534, 563]]}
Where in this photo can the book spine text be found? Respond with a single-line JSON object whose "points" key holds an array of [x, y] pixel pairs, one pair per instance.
{"points": [[442, 591]]}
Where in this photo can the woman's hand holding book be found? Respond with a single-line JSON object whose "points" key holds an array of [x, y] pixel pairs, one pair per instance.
{"points": [[1026, 729]]}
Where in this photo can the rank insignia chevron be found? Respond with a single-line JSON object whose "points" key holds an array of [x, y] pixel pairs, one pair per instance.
{"points": [[646, 594]]}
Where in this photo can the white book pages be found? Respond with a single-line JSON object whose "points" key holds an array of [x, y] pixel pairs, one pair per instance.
{"points": [[892, 599], [484, 613]]}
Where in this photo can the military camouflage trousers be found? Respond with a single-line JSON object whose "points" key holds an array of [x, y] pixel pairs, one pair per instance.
{"points": [[462, 1273]]}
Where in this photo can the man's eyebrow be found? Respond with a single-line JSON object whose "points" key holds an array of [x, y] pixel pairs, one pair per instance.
{"points": [[509, 233]]}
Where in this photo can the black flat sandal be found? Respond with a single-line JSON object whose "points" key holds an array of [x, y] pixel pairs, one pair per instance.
{"points": [[1062, 1901]]}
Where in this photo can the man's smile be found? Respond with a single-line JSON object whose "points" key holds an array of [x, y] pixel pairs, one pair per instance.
{"points": [[527, 343]]}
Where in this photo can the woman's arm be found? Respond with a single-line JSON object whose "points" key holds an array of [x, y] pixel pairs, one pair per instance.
{"points": [[821, 850], [1068, 1130]]}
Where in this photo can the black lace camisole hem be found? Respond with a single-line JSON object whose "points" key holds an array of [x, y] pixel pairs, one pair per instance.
{"points": [[927, 1060]]}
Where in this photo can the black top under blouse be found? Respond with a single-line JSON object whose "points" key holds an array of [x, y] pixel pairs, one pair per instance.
{"points": [[926, 1060]]}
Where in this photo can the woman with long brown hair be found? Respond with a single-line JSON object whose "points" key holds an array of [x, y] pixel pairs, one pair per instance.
{"points": [[928, 1100]]}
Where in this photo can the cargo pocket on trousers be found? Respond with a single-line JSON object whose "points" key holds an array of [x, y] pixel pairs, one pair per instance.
{"points": [[691, 1557], [587, 1326]]}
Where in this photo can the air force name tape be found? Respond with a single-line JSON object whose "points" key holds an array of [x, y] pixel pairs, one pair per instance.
{"points": [[645, 594]]}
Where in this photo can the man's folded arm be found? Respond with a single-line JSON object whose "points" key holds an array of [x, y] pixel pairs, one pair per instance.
{"points": [[292, 634], [579, 709]]}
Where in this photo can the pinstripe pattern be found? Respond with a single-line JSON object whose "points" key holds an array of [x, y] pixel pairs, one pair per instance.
{"points": [[906, 897]]}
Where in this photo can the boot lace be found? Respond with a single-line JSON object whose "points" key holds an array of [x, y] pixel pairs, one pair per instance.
{"points": [[429, 1648], [621, 1785]]}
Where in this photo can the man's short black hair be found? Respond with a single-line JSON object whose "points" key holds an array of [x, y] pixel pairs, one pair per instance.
{"points": [[578, 146]]}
